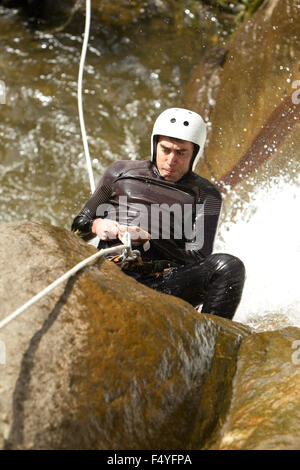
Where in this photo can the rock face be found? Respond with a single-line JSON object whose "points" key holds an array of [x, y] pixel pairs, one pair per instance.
{"points": [[250, 94], [265, 407], [104, 362]]}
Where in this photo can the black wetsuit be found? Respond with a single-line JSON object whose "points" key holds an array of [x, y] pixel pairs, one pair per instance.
{"points": [[182, 218]]}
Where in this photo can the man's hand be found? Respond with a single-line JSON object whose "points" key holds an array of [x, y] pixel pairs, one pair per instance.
{"points": [[107, 229], [137, 234]]}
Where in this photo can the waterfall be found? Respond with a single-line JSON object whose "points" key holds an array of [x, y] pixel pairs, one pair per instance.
{"points": [[264, 233]]}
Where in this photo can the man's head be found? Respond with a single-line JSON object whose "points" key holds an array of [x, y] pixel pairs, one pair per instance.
{"points": [[184, 129]]}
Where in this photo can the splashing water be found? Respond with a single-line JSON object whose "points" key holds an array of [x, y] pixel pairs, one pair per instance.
{"points": [[264, 233]]}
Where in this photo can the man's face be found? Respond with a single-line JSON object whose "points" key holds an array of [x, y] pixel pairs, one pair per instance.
{"points": [[173, 157]]}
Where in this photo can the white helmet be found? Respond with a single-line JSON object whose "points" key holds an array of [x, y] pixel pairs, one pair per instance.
{"points": [[181, 124]]}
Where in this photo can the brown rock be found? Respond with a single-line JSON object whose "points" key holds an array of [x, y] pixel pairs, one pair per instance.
{"points": [[253, 113], [216, 390], [265, 406], [104, 362]]}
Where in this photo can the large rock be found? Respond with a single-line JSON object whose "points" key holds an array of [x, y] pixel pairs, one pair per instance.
{"points": [[249, 93], [106, 363], [103, 362], [265, 407]]}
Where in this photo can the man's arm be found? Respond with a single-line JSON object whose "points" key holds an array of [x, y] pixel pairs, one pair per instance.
{"points": [[83, 222], [87, 222]]}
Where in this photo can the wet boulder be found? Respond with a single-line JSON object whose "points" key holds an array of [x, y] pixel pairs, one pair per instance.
{"points": [[103, 362], [264, 412]]}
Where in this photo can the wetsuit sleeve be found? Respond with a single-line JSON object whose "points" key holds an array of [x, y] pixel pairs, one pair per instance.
{"points": [[83, 222]]}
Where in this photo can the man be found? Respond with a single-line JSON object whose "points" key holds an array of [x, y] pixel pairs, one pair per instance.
{"points": [[172, 215]]}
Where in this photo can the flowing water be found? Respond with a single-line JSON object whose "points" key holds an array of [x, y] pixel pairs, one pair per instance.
{"points": [[264, 233], [130, 76]]}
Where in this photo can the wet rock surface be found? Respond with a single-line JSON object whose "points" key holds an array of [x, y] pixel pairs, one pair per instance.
{"points": [[265, 408], [103, 362]]}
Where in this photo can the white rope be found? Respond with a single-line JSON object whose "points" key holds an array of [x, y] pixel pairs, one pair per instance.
{"points": [[64, 277], [79, 94]]}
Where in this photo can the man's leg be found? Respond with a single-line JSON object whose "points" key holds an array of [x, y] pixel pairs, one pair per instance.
{"points": [[226, 285], [217, 283]]}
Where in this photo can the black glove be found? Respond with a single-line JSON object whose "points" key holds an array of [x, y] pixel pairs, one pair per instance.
{"points": [[82, 224]]}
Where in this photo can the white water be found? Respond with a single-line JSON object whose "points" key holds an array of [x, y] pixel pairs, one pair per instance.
{"points": [[265, 235]]}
